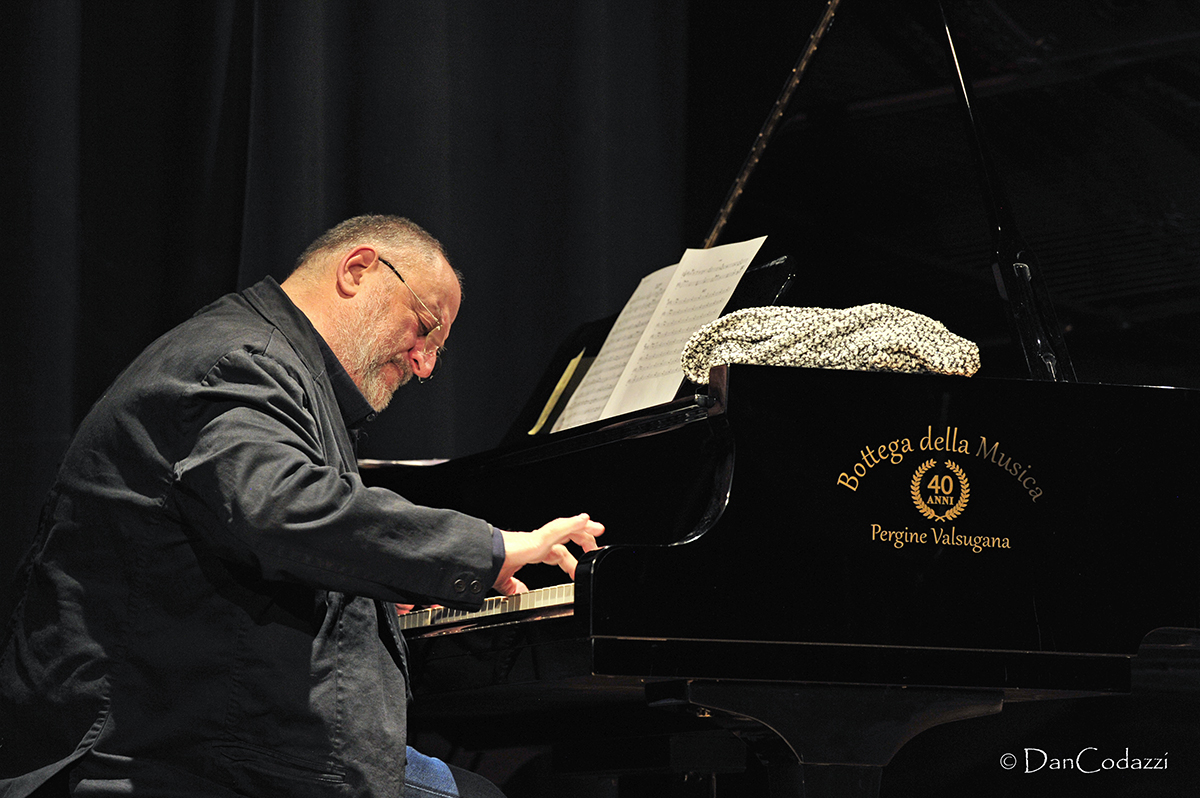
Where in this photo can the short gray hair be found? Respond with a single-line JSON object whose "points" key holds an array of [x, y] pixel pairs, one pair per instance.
{"points": [[378, 229]]}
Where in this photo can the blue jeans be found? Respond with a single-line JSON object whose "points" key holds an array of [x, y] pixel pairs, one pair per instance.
{"points": [[426, 777]]}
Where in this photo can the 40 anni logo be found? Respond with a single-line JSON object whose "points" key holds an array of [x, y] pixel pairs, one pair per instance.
{"points": [[940, 491], [939, 488]]}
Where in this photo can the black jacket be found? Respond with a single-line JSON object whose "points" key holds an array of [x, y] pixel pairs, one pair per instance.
{"points": [[207, 607]]}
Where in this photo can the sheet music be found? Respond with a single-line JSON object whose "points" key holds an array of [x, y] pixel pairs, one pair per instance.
{"points": [[699, 289], [638, 365], [589, 399]]}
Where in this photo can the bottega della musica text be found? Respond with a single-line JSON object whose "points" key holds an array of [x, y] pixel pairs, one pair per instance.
{"points": [[892, 453]]}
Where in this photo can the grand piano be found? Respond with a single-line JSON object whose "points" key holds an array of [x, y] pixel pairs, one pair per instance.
{"points": [[776, 559], [804, 569]]}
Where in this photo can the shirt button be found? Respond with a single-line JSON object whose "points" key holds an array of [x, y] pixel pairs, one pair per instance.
{"points": [[460, 585], [476, 586]]}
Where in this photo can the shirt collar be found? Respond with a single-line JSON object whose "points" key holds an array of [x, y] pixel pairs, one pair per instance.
{"points": [[274, 304], [356, 410]]}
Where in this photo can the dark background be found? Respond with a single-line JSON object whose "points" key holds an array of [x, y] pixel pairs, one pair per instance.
{"points": [[159, 154]]}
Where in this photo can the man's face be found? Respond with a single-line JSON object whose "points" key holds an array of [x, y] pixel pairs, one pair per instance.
{"points": [[387, 338]]}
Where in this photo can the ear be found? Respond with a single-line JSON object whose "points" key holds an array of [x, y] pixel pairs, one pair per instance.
{"points": [[352, 269]]}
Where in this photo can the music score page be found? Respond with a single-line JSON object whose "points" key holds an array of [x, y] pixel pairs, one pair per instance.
{"points": [[638, 365]]}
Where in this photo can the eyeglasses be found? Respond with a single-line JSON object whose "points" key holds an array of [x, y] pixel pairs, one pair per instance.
{"points": [[428, 331]]}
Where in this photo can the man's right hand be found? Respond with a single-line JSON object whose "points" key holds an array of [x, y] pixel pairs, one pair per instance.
{"points": [[546, 545]]}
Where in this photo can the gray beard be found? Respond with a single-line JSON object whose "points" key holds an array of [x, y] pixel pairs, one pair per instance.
{"points": [[359, 344]]}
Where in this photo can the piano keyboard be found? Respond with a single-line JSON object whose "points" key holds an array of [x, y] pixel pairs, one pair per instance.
{"points": [[554, 600]]}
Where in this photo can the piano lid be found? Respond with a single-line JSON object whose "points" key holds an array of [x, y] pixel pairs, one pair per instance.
{"points": [[1089, 109]]}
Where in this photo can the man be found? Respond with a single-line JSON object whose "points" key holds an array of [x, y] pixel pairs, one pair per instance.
{"points": [[208, 606]]}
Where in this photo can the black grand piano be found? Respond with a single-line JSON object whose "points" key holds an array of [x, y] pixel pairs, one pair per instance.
{"points": [[779, 560], [806, 568]]}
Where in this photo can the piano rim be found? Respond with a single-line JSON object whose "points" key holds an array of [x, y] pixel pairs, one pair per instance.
{"points": [[1020, 675]]}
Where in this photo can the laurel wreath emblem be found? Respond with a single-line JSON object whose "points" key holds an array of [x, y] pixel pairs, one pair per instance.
{"points": [[964, 492]]}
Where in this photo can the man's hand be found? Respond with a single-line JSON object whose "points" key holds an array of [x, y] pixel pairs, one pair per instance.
{"points": [[546, 545]]}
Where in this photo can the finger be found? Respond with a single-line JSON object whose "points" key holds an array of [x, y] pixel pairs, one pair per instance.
{"points": [[560, 556], [584, 538], [581, 522], [579, 529], [589, 535], [511, 586], [591, 528], [564, 526]]}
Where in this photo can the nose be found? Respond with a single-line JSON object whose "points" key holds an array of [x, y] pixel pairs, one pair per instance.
{"points": [[423, 362]]}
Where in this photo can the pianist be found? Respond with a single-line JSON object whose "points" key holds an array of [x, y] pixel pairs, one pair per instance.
{"points": [[208, 606]]}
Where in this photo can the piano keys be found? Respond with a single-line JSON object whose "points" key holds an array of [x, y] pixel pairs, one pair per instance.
{"points": [[544, 602]]}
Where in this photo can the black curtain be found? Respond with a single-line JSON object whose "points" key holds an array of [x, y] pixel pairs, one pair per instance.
{"points": [[159, 154]]}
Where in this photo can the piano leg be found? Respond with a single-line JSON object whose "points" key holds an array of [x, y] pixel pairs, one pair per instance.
{"points": [[836, 738]]}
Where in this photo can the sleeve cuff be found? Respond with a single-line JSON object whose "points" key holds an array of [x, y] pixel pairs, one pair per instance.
{"points": [[497, 553]]}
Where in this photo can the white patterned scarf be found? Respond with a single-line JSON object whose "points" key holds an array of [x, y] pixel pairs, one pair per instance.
{"points": [[867, 338]]}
